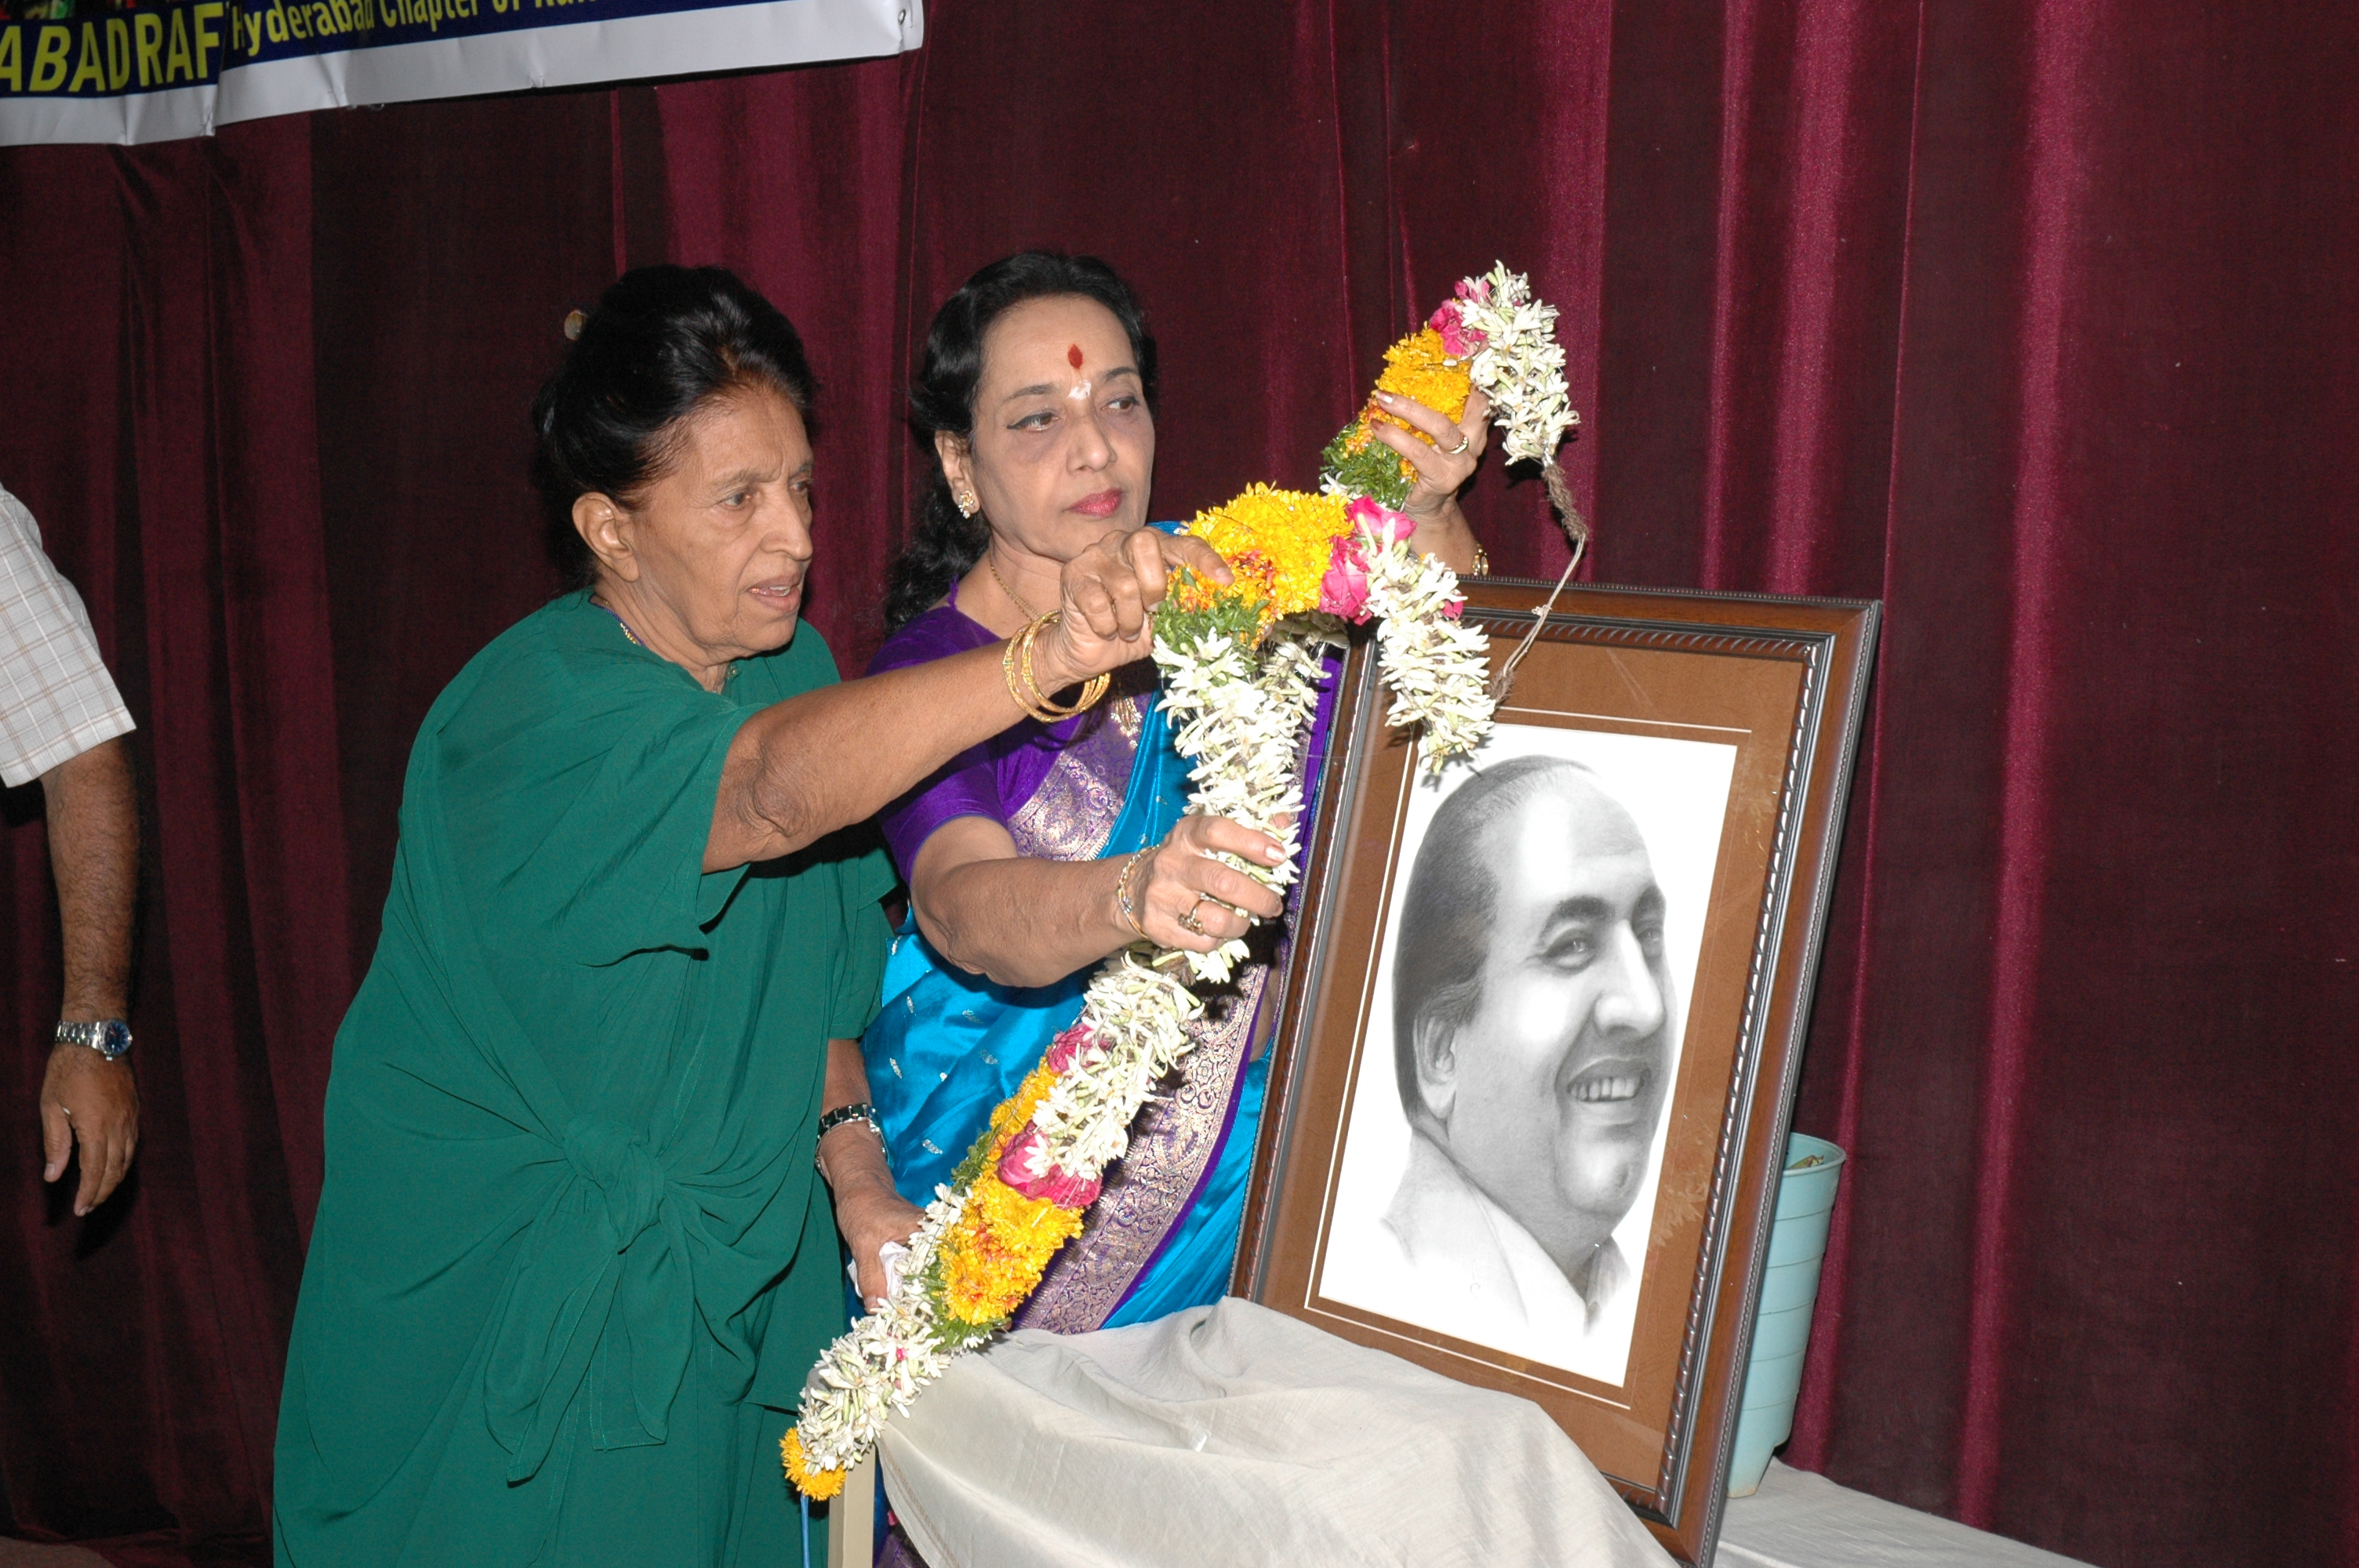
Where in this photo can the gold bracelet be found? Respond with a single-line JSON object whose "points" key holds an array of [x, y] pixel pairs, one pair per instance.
{"points": [[1018, 655], [1048, 712], [1122, 891], [1040, 707], [1008, 672]]}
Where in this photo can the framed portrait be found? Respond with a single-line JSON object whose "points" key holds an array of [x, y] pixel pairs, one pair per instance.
{"points": [[1537, 1041]]}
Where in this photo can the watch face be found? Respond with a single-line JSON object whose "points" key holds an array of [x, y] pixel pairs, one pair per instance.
{"points": [[114, 1038]]}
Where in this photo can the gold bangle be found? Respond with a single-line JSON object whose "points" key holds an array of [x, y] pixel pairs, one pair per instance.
{"points": [[1041, 707], [1020, 656], [1122, 891], [1048, 712], [1008, 672]]}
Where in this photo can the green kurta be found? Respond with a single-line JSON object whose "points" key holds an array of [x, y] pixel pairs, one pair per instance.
{"points": [[573, 1263]]}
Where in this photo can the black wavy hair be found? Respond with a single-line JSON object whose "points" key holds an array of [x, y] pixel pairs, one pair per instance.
{"points": [[662, 341], [944, 546]]}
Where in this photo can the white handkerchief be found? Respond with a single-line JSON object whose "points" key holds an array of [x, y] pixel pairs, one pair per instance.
{"points": [[890, 1255]]}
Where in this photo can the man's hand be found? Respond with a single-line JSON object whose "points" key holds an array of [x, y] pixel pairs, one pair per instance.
{"points": [[88, 1099], [93, 809]]}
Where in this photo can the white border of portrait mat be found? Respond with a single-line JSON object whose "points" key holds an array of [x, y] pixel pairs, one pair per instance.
{"points": [[1677, 790]]}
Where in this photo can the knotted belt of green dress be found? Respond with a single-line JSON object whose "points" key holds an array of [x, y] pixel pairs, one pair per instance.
{"points": [[608, 1266]]}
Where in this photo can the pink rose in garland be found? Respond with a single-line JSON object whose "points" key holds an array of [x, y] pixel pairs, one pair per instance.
{"points": [[1459, 341], [1045, 1182], [1066, 1048], [1344, 590], [1382, 524]]}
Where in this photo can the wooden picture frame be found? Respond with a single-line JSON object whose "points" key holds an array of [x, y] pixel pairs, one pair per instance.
{"points": [[1721, 730]]}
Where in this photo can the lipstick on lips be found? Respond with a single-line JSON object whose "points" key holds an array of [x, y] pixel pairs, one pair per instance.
{"points": [[1104, 504]]}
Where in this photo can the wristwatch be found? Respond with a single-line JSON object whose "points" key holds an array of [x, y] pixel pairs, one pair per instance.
{"points": [[834, 1119], [110, 1037]]}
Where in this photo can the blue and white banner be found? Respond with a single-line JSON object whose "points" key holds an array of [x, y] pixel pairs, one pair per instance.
{"points": [[150, 70]]}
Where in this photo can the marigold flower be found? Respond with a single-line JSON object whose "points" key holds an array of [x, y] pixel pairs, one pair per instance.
{"points": [[1278, 539], [1424, 367], [1015, 1113], [1421, 368], [817, 1485], [995, 1254]]}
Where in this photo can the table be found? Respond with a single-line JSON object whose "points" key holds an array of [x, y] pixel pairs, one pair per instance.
{"points": [[1800, 1521], [1237, 1435]]}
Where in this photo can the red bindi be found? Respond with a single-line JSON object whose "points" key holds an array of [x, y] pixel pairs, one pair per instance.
{"points": [[1073, 355]]}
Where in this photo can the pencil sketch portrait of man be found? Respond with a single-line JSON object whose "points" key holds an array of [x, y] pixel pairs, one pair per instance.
{"points": [[1534, 1023]]}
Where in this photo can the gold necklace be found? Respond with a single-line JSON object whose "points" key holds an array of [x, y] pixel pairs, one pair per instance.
{"points": [[1013, 597], [628, 635]]}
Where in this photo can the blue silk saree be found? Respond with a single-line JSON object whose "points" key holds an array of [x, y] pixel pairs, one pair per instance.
{"points": [[948, 1046]]}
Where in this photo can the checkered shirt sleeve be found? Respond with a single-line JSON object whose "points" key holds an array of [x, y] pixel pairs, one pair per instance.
{"points": [[56, 700]]}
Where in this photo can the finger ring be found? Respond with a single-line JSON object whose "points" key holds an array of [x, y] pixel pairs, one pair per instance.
{"points": [[1464, 442], [1189, 921]]}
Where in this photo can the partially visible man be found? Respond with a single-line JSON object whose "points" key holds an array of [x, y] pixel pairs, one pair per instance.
{"points": [[1534, 1022], [62, 721]]}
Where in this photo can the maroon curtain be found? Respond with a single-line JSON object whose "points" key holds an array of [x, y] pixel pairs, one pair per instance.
{"points": [[2034, 319]]}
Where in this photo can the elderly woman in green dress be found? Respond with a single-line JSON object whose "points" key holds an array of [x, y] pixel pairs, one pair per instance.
{"points": [[571, 1261]]}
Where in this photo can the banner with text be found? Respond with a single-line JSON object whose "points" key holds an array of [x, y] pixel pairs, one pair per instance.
{"points": [[149, 70]]}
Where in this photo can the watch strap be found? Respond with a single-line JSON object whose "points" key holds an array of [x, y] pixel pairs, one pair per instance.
{"points": [[110, 1037], [834, 1119]]}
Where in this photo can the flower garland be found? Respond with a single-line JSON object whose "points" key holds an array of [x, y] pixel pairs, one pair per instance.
{"points": [[1517, 361], [1492, 334], [1241, 673]]}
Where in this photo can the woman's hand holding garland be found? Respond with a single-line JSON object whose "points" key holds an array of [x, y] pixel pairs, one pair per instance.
{"points": [[1444, 461], [1179, 879], [868, 1211]]}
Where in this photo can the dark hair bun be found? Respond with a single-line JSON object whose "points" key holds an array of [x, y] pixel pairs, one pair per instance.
{"points": [[662, 342], [944, 546]]}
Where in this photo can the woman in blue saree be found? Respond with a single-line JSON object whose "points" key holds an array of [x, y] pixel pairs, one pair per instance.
{"points": [[1038, 390]]}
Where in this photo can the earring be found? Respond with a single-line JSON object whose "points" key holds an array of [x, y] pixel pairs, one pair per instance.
{"points": [[967, 504]]}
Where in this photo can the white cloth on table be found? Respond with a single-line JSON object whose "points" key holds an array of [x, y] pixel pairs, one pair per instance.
{"points": [[56, 700], [1800, 1521], [1234, 1434]]}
